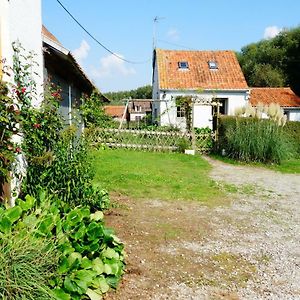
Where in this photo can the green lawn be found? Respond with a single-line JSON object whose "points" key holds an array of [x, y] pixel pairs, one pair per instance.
{"points": [[165, 176], [291, 166]]}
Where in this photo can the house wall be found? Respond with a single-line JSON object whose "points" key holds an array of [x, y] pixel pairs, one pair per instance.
{"points": [[22, 20], [202, 114], [294, 114]]}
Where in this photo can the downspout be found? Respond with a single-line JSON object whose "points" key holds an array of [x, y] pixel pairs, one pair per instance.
{"points": [[70, 105]]}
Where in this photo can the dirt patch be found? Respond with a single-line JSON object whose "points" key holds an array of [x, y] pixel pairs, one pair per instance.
{"points": [[248, 249]]}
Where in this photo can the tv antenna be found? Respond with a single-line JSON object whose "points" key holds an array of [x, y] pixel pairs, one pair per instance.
{"points": [[155, 21]]}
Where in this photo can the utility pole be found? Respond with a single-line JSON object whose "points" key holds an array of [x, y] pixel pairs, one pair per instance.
{"points": [[155, 21]]}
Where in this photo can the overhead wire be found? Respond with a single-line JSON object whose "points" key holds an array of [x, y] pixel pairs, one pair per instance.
{"points": [[97, 41], [174, 44]]}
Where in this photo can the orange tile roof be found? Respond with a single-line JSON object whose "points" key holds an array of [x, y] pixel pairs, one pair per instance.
{"points": [[49, 35], [285, 97], [228, 75], [114, 110]]}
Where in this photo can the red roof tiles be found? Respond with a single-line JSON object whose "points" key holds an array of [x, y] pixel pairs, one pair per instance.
{"points": [[285, 97], [49, 35], [199, 76], [115, 111]]}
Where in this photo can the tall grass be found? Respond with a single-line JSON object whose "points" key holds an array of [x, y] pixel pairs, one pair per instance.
{"points": [[257, 140], [26, 266]]}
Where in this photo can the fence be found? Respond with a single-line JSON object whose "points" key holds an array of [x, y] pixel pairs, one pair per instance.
{"points": [[153, 140]]}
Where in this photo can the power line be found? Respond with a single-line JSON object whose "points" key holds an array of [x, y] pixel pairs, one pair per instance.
{"points": [[97, 41], [174, 44]]}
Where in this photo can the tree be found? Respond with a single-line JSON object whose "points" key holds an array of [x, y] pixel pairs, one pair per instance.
{"points": [[144, 92], [274, 62]]}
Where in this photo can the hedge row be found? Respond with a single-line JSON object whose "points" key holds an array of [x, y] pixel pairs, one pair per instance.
{"points": [[226, 123]]}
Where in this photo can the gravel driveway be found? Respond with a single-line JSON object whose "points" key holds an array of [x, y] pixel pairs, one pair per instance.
{"points": [[247, 248]]}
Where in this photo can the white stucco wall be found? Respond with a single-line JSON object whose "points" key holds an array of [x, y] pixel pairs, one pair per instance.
{"points": [[22, 20], [202, 114], [294, 114]]}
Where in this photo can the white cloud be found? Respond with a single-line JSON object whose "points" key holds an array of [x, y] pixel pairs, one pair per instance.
{"points": [[82, 52], [271, 32], [112, 66], [173, 34]]}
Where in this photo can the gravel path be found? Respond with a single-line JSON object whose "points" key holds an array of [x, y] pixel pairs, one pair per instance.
{"points": [[248, 249]]}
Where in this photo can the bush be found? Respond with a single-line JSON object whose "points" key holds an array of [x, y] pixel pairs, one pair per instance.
{"points": [[68, 252], [292, 130], [252, 139], [65, 172]]}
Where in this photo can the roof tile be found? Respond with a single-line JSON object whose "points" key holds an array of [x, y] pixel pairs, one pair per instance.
{"points": [[285, 97], [228, 75]]}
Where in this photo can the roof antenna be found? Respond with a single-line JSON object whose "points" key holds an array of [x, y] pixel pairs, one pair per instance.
{"points": [[155, 21]]}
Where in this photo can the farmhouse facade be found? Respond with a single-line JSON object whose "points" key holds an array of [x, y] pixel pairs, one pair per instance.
{"points": [[207, 75]]}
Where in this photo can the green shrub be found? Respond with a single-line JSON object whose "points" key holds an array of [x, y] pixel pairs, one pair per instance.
{"points": [[292, 130], [87, 258], [252, 139]]}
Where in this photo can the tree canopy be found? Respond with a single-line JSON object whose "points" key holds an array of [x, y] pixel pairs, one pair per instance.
{"points": [[274, 62], [144, 92]]}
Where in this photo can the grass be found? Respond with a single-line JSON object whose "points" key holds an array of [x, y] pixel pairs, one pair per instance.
{"points": [[164, 176], [291, 166]]}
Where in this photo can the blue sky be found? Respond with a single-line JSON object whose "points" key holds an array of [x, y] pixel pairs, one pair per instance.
{"points": [[126, 27]]}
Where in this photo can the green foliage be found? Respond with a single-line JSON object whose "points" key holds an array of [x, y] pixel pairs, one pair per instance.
{"points": [[252, 139], [87, 258], [57, 158], [93, 113], [274, 62], [66, 172], [9, 114], [183, 144], [144, 92], [27, 264], [292, 130]]}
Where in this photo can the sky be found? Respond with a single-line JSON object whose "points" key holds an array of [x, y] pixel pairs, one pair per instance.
{"points": [[126, 27]]}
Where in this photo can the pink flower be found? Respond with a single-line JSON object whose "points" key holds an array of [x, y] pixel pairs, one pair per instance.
{"points": [[37, 125], [23, 90], [18, 150]]}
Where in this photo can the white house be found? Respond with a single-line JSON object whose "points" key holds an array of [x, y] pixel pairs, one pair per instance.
{"points": [[206, 74], [285, 97]]}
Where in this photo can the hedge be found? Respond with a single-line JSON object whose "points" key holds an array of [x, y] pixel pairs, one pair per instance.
{"points": [[291, 133]]}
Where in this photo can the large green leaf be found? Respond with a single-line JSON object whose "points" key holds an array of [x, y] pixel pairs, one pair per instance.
{"points": [[110, 253], [97, 216], [94, 294], [46, 225], [60, 294], [72, 286], [86, 263], [5, 224], [13, 213], [100, 283], [98, 265]]}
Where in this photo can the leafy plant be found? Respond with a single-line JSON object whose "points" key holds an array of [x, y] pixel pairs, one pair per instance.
{"points": [[91, 257]]}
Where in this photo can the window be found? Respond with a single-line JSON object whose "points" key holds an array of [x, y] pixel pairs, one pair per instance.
{"points": [[287, 113], [183, 65], [180, 112], [213, 65], [222, 107]]}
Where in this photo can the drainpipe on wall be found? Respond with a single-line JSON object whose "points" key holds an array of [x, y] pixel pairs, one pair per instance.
{"points": [[70, 105]]}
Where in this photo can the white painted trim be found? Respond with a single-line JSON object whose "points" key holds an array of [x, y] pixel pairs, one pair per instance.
{"points": [[55, 45]]}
